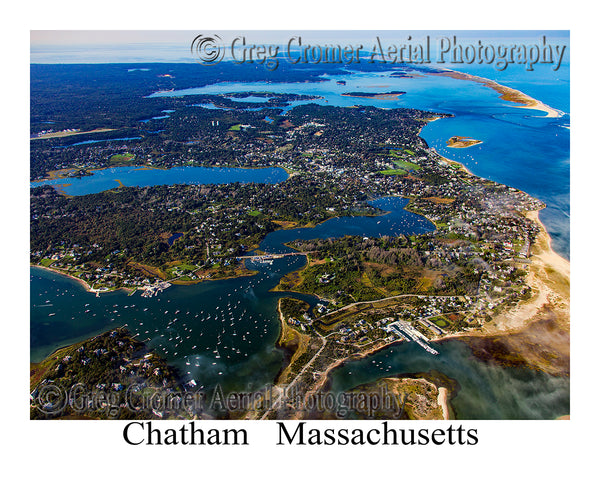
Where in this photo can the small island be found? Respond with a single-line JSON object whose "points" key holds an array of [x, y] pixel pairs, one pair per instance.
{"points": [[462, 142], [377, 96]]}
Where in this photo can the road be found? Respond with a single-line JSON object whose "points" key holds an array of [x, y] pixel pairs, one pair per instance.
{"points": [[383, 300]]}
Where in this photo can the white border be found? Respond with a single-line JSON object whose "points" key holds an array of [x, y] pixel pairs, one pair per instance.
{"points": [[93, 449]]}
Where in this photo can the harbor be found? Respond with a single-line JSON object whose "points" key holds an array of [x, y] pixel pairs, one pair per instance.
{"points": [[154, 289], [407, 332]]}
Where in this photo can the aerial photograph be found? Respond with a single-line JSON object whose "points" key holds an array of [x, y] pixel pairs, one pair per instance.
{"points": [[299, 225]]}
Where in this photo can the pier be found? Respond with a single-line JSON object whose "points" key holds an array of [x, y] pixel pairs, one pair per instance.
{"points": [[155, 289], [406, 331]]}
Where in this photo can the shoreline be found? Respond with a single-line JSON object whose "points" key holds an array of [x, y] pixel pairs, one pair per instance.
{"points": [[442, 400], [83, 283], [545, 257], [292, 348], [532, 214], [130, 290], [462, 142], [454, 162], [508, 94], [510, 322], [445, 159], [63, 173]]}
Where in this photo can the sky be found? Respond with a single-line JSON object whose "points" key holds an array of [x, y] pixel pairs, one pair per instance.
{"points": [[120, 46]]}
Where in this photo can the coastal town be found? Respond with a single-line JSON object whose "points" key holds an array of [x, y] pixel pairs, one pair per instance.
{"points": [[481, 226], [472, 262]]}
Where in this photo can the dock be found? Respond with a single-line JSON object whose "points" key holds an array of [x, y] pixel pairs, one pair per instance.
{"points": [[406, 331], [155, 289]]}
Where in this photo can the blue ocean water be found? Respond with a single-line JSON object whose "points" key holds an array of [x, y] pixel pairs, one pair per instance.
{"points": [[396, 221], [522, 148]]}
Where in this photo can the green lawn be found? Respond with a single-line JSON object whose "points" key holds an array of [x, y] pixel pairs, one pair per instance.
{"points": [[187, 267], [235, 128], [402, 166], [406, 165], [395, 153], [254, 213], [180, 269], [122, 158], [46, 262], [440, 322]]}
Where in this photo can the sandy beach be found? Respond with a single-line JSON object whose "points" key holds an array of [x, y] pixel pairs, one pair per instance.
{"points": [[549, 278], [442, 401], [546, 254], [83, 283], [460, 166], [536, 331], [506, 93]]}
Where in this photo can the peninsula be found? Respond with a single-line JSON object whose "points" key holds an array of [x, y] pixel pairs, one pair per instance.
{"points": [[506, 93]]}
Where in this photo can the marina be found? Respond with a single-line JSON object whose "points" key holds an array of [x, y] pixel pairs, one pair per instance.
{"points": [[154, 289], [406, 331]]}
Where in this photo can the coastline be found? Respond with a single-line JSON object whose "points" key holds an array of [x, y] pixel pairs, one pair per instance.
{"points": [[459, 165], [442, 400], [506, 93], [293, 343], [549, 277], [82, 282], [548, 269], [90, 289]]}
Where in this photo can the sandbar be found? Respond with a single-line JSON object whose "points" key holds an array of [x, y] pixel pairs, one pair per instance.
{"points": [[506, 93]]}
